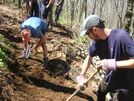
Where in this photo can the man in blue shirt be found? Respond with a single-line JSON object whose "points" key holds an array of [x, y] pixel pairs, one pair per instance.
{"points": [[115, 48], [36, 28]]}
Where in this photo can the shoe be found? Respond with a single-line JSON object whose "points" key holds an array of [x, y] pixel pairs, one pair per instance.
{"points": [[45, 62]]}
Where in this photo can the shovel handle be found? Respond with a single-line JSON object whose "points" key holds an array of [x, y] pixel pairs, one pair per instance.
{"points": [[85, 83], [72, 95], [92, 76]]}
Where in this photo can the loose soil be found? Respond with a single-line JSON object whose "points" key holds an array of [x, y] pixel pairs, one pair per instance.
{"points": [[28, 80]]}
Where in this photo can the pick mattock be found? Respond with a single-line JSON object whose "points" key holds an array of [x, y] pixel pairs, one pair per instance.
{"points": [[84, 85], [28, 50]]}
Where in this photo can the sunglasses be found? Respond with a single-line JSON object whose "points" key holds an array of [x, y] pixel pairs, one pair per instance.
{"points": [[88, 31]]}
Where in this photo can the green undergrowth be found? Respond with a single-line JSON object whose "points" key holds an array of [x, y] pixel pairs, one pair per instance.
{"points": [[4, 52]]}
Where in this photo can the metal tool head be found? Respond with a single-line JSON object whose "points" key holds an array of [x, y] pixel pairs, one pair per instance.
{"points": [[28, 50]]}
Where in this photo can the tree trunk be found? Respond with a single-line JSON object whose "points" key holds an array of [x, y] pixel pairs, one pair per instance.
{"points": [[129, 18], [19, 3]]}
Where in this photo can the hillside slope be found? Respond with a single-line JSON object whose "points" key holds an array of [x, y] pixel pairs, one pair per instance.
{"points": [[28, 80]]}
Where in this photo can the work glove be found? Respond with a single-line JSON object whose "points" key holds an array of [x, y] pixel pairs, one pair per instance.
{"points": [[107, 64], [81, 81]]}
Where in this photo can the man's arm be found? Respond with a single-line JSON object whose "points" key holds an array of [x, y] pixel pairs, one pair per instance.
{"points": [[86, 64], [112, 64], [125, 63], [30, 4], [59, 3], [81, 78], [50, 3]]}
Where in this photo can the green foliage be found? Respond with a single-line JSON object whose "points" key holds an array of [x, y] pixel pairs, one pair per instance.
{"points": [[2, 57], [1, 64], [80, 39], [62, 20], [3, 51]]}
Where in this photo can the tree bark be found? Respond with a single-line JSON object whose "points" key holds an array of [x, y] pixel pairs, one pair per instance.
{"points": [[129, 18]]}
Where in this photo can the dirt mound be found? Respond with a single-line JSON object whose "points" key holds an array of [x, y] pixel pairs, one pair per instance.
{"points": [[28, 80]]}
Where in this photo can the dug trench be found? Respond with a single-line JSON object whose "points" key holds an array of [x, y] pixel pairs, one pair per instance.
{"points": [[27, 79]]}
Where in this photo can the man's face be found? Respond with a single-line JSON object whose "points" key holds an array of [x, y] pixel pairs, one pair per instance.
{"points": [[93, 35]]}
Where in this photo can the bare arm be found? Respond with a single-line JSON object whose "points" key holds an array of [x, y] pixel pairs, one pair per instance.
{"points": [[50, 2], [125, 63], [59, 3], [30, 4], [86, 64]]}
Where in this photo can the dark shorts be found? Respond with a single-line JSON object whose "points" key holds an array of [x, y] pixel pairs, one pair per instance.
{"points": [[35, 9], [46, 10]]}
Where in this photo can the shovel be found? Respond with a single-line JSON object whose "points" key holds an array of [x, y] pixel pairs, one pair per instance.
{"points": [[84, 85], [28, 50]]}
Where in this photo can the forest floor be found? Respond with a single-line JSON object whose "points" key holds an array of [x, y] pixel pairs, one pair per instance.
{"points": [[28, 80]]}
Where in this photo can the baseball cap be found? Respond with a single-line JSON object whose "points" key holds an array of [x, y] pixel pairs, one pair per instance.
{"points": [[89, 22], [26, 35]]}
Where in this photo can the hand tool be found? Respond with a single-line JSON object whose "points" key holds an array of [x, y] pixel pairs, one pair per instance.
{"points": [[84, 85]]}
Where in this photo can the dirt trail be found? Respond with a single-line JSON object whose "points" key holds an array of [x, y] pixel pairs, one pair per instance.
{"points": [[28, 80]]}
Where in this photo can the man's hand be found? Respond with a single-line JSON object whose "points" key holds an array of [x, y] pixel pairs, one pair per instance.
{"points": [[81, 81], [108, 64]]}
